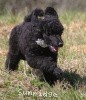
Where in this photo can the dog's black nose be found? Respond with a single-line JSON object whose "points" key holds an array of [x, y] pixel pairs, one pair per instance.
{"points": [[60, 44]]}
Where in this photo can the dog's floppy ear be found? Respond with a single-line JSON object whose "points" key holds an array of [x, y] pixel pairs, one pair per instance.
{"points": [[38, 12], [51, 11], [28, 18], [35, 14]]}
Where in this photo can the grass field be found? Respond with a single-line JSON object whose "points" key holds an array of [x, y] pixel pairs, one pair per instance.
{"points": [[21, 85]]}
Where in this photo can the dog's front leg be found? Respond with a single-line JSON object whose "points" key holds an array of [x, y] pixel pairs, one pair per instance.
{"points": [[41, 62], [45, 64]]}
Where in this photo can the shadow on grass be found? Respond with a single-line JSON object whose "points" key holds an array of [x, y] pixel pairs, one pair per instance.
{"points": [[74, 79]]}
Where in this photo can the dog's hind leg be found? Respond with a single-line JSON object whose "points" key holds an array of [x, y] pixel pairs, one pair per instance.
{"points": [[13, 56], [12, 61]]}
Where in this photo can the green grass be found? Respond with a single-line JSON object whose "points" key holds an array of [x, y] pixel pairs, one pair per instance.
{"points": [[72, 59]]}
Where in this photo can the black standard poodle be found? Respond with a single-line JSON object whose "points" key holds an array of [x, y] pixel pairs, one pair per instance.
{"points": [[37, 41]]}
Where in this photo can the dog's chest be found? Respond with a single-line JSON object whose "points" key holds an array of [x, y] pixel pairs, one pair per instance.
{"points": [[40, 51]]}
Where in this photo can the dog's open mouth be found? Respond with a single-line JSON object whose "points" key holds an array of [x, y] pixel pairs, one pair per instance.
{"points": [[43, 44], [53, 48]]}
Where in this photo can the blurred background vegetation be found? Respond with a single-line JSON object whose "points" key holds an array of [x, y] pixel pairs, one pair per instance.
{"points": [[16, 6]]}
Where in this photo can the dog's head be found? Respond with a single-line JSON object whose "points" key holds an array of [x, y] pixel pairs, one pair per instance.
{"points": [[52, 30]]}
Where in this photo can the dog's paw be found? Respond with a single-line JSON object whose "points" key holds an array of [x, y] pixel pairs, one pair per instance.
{"points": [[58, 73]]}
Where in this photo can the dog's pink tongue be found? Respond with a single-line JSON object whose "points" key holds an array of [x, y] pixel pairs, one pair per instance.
{"points": [[54, 49]]}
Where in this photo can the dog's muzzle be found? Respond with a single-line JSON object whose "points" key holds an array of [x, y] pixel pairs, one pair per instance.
{"points": [[41, 43]]}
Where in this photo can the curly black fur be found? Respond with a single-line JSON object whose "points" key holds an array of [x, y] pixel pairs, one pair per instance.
{"points": [[23, 45]]}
